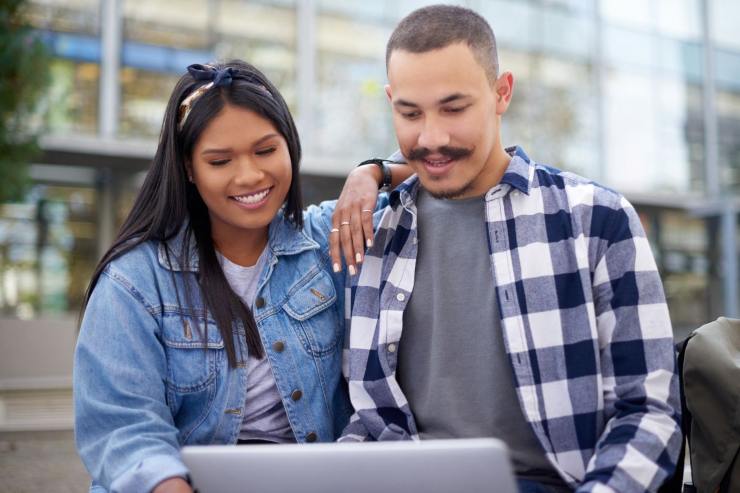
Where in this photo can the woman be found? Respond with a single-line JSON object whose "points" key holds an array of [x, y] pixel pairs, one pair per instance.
{"points": [[217, 314]]}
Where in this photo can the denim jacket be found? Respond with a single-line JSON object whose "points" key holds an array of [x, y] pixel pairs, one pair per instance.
{"points": [[144, 385]]}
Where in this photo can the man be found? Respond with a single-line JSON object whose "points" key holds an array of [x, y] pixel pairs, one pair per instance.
{"points": [[502, 297]]}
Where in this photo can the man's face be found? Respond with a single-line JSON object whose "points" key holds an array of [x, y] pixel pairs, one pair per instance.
{"points": [[446, 113]]}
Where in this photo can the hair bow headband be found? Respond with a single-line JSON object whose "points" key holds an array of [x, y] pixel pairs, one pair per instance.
{"points": [[217, 78]]}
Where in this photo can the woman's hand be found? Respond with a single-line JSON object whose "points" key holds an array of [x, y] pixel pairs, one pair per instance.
{"points": [[173, 485], [352, 223]]}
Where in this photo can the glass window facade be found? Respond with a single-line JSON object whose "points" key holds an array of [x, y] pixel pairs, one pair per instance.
{"points": [[159, 42], [351, 79], [65, 16], [726, 36], [264, 34], [71, 30], [47, 250], [616, 90], [70, 105]]}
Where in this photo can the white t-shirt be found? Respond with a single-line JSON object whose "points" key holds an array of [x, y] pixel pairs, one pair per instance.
{"points": [[264, 414]]}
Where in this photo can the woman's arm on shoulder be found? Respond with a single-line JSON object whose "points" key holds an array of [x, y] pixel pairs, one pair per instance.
{"points": [[352, 221], [124, 428]]}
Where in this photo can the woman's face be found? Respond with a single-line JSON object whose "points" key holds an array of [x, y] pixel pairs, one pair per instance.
{"points": [[241, 168]]}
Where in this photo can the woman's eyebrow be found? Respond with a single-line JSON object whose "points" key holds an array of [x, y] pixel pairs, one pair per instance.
{"points": [[228, 149]]}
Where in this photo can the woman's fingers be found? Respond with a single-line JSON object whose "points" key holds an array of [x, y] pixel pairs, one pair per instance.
{"points": [[345, 237], [349, 238], [335, 249], [358, 236], [367, 226]]}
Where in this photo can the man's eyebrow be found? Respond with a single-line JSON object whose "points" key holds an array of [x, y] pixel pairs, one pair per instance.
{"points": [[453, 97], [403, 102], [447, 99]]}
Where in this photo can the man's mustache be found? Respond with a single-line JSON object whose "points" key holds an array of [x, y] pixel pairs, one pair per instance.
{"points": [[420, 153]]}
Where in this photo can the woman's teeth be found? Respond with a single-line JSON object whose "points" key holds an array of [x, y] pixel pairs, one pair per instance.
{"points": [[253, 198]]}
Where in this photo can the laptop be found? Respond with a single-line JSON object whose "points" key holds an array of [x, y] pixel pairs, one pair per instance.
{"points": [[433, 466]]}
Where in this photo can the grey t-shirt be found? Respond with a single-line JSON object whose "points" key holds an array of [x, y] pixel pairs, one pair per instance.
{"points": [[264, 415], [452, 363]]}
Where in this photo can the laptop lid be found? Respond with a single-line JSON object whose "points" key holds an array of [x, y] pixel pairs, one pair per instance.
{"points": [[433, 466]]}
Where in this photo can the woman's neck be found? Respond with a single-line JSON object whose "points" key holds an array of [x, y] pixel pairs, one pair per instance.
{"points": [[242, 249]]}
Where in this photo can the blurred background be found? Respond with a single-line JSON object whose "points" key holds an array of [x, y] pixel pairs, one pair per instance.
{"points": [[641, 95]]}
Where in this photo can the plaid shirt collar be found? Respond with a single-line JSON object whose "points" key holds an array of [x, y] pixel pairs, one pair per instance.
{"points": [[518, 175]]}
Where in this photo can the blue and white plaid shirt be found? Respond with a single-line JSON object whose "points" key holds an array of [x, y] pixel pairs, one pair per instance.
{"points": [[584, 321]]}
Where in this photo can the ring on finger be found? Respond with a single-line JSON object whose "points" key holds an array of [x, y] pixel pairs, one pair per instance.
{"points": [[367, 210], [334, 230], [344, 223]]}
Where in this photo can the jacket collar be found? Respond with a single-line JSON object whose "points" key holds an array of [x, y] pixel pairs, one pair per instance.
{"points": [[284, 239], [519, 174]]}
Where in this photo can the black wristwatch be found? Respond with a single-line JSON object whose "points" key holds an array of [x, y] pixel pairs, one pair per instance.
{"points": [[385, 185]]}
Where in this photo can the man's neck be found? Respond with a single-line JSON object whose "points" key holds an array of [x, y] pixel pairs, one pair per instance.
{"points": [[495, 168]]}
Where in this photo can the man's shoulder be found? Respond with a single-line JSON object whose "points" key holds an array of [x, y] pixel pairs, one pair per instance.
{"points": [[576, 188]]}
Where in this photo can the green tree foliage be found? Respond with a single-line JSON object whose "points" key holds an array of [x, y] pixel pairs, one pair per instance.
{"points": [[23, 77]]}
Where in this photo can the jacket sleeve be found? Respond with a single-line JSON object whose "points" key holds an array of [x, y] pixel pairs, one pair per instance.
{"points": [[124, 429], [639, 446]]}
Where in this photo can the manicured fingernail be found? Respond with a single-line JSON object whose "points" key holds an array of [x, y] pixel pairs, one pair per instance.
{"points": [[336, 267], [369, 242], [352, 270], [358, 257]]}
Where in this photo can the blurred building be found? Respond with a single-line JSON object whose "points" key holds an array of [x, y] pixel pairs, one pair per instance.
{"points": [[641, 95]]}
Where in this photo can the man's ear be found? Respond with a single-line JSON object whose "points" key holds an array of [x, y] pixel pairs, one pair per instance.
{"points": [[388, 92], [504, 88]]}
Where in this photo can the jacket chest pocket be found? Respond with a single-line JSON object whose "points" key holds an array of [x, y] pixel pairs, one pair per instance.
{"points": [[192, 358], [311, 309]]}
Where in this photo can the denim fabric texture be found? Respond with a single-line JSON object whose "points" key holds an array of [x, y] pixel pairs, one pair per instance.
{"points": [[151, 375]]}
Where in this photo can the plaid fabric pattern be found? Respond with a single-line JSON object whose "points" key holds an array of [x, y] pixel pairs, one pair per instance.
{"points": [[583, 316]]}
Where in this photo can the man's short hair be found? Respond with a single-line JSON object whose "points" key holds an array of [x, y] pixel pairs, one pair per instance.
{"points": [[438, 26]]}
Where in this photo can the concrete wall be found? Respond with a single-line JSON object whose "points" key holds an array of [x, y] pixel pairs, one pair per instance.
{"points": [[36, 374]]}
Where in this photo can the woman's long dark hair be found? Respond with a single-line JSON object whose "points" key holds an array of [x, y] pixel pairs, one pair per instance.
{"points": [[168, 201]]}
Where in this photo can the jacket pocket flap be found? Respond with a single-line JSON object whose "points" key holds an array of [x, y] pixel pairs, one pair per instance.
{"points": [[188, 333], [310, 295]]}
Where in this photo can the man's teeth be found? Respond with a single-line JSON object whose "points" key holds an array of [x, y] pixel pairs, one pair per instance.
{"points": [[438, 162], [252, 199]]}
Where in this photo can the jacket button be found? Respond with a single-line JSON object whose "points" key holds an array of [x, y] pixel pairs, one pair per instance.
{"points": [[296, 395], [278, 346], [259, 302], [311, 437]]}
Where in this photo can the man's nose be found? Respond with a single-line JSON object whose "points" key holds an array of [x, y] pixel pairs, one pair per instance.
{"points": [[433, 135]]}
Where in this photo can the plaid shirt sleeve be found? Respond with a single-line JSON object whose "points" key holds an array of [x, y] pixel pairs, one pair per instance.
{"points": [[638, 449]]}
